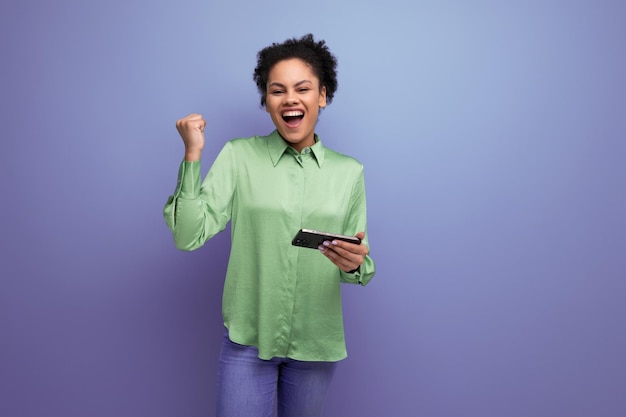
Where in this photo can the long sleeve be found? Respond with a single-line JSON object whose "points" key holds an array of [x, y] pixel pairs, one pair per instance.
{"points": [[196, 212], [356, 222]]}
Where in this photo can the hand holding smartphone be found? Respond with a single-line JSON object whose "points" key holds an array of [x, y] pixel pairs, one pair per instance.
{"points": [[308, 238]]}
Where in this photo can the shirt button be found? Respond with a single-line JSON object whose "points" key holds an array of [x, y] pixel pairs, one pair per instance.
{"points": [[307, 150]]}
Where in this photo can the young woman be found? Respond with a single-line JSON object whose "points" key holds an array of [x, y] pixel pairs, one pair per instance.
{"points": [[281, 303]]}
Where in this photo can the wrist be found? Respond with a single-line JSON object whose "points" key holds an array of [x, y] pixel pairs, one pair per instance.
{"points": [[354, 271], [193, 155]]}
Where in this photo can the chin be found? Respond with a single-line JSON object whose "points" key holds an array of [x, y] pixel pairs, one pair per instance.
{"points": [[290, 137]]}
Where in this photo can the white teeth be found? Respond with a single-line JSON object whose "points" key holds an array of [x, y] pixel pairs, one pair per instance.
{"points": [[294, 113]]}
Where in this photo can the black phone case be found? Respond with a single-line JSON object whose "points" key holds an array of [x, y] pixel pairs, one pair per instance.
{"points": [[313, 239]]}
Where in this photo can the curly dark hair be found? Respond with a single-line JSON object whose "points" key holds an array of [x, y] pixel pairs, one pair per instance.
{"points": [[316, 54]]}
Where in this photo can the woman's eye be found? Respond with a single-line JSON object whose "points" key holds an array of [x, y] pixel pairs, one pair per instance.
{"points": [[304, 90], [275, 92]]}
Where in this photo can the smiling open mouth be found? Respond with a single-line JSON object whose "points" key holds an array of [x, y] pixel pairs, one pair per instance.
{"points": [[293, 117]]}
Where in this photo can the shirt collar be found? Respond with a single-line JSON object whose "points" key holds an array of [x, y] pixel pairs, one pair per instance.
{"points": [[277, 147]]}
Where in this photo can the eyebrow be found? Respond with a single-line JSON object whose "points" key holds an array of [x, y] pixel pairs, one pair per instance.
{"points": [[299, 83]]}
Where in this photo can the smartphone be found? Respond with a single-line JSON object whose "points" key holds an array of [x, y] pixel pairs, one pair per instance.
{"points": [[308, 238]]}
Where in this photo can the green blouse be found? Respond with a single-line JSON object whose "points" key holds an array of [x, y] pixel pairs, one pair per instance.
{"points": [[283, 299]]}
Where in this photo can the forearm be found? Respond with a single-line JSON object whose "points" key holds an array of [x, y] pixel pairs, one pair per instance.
{"points": [[188, 224], [189, 215], [356, 222]]}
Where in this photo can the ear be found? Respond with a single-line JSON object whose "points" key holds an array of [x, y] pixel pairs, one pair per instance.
{"points": [[322, 99]]}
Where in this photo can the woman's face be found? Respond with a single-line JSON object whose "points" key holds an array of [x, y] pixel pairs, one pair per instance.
{"points": [[293, 101]]}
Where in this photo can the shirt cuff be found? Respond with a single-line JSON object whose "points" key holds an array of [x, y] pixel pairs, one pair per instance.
{"points": [[362, 275], [189, 180]]}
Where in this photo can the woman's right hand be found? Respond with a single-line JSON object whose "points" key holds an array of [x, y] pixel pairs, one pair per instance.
{"points": [[191, 129]]}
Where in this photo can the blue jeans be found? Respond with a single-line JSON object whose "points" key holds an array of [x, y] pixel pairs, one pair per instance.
{"points": [[251, 387]]}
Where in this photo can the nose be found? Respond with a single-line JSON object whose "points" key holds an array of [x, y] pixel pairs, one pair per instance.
{"points": [[290, 98]]}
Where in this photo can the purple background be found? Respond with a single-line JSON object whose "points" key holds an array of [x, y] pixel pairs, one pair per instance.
{"points": [[493, 139]]}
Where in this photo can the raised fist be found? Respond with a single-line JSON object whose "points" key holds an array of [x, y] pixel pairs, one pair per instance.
{"points": [[191, 130]]}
